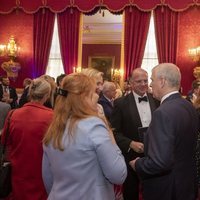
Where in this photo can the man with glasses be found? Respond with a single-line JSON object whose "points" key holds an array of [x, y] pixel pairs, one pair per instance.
{"points": [[131, 113]]}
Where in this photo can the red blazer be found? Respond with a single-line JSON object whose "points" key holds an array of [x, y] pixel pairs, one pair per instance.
{"points": [[27, 128]]}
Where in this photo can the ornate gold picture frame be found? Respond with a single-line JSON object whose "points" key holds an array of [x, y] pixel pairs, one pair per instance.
{"points": [[103, 64]]}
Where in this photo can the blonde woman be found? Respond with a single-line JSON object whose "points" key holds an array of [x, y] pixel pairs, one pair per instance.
{"points": [[98, 77], [27, 128], [50, 102], [81, 159]]}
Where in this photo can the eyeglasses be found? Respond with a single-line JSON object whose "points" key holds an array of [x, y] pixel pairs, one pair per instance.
{"points": [[141, 81]]}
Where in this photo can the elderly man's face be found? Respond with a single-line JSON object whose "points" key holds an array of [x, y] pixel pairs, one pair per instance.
{"points": [[111, 92], [139, 83], [156, 85]]}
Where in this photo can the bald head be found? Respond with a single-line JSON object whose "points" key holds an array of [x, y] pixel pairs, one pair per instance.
{"points": [[166, 78], [138, 71], [109, 89], [139, 81]]}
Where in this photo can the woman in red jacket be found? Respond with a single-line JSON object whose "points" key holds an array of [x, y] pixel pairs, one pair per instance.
{"points": [[27, 128]]}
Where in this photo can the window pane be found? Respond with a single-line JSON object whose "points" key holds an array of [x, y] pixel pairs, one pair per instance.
{"points": [[55, 66], [150, 58]]}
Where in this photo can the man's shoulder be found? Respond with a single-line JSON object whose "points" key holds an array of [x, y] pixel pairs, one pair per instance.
{"points": [[124, 101], [174, 102], [4, 105], [102, 99], [124, 98]]}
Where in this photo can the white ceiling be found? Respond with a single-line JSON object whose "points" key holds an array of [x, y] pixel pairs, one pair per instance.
{"points": [[99, 29]]}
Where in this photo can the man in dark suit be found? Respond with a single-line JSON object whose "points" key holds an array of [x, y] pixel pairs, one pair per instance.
{"points": [[131, 112], [107, 98], [168, 168], [25, 97], [8, 94]]}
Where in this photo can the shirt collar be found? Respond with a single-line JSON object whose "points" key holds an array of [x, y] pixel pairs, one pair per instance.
{"points": [[110, 100], [167, 95]]}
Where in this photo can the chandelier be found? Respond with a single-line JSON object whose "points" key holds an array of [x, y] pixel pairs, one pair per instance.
{"points": [[11, 51], [77, 69], [2, 49], [116, 75], [194, 53]]}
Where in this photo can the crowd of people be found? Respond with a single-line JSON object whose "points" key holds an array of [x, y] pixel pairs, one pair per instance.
{"points": [[80, 139]]}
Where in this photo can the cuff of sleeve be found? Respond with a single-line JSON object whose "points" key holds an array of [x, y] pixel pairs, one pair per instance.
{"points": [[129, 147]]}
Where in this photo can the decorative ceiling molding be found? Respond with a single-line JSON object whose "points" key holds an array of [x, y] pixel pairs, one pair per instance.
{"points": [[102, 30]]}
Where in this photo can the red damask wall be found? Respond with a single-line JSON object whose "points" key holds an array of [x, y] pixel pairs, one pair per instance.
{"points": [[189, 36], [20, 25]]}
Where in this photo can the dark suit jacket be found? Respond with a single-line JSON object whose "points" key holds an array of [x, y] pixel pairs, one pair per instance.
{"points": [[125, 120], [13, 95], [107, 106], [168, 168], [24, 98], [4, 109]]}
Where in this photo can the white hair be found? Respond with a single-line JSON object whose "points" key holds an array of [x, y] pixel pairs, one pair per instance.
{"points": [[170, 72]]}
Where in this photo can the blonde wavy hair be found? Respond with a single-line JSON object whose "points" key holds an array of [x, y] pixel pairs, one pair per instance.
{"points": [[38, 89], [71, 106], [52, 83], [92, 73]]}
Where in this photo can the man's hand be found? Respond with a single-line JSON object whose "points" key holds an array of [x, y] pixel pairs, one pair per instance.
{"points": [[137, 146], [132, 163]]}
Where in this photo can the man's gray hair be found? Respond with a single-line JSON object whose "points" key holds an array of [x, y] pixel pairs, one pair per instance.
{"points": [[170, 72], [107, 85]]}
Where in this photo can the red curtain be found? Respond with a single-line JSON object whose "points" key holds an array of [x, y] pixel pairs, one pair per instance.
{"points": [[68, 29], [42, 37], [166, 29], [6, 6], [135, 36]]}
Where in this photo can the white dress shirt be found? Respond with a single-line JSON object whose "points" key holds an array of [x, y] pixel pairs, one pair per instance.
{"points": [[144, 110]]}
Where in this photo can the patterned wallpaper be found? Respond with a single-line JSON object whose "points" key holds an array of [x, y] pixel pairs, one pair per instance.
{"points": [[20, 25], [189, 37]]}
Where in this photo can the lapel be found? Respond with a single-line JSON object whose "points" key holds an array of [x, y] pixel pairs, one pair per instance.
{"points": [[133, 109], [106, 101]]}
